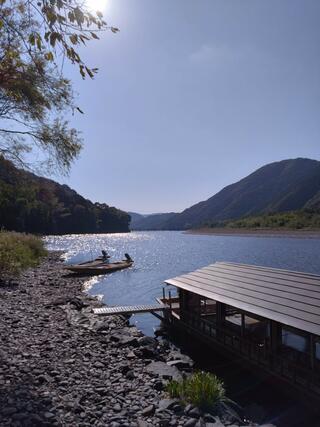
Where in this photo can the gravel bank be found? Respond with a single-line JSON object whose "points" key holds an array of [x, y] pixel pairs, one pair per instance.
{"points": [[61, 366]]}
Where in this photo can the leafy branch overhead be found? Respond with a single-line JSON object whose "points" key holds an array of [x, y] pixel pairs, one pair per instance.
{"points": [[63, 25], [36, 38]]}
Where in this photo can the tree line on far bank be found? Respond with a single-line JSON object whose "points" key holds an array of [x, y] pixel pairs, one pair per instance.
{"points": [[32, 204], [291, 220]]}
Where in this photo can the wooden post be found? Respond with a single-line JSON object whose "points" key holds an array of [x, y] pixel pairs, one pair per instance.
{"points": [[243, 325], [220, 318], [276, 339], [312, 351]]}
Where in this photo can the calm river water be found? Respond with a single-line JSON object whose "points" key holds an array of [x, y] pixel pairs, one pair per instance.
{"points": [[164, 254]]}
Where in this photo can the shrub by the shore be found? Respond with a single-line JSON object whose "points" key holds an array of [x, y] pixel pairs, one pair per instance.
{"points": [[202, 389], [19, 251]]}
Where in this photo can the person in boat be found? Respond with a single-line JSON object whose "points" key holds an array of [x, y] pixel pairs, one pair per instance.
{"points": [[128, 258], [105, 256]]}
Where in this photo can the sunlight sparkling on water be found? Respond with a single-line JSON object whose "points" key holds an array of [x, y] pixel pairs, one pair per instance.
{"points": [[162, 255]]}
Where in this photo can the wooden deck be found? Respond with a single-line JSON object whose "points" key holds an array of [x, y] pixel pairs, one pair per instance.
{"points": [[129, 309]]}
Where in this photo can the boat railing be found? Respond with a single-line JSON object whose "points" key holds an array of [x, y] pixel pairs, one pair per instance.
{"points": [[289, 364]]}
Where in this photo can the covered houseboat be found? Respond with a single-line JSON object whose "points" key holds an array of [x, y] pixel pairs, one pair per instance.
{"points": [[266, 316]]}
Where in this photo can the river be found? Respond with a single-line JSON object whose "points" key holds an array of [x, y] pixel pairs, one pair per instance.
{"points": [[160, 255]]}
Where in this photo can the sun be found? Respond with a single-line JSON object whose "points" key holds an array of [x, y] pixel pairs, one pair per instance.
{"points": [[97, 5]]}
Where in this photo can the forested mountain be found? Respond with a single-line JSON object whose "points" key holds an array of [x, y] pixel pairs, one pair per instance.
{"points": [[38, 205], [282, 186], [149, 222]]}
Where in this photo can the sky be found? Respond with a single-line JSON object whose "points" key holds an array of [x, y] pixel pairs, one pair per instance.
{"points": [[192, 96]]}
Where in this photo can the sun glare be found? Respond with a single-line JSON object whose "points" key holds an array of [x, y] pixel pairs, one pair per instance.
{"points": [[98, 5]]}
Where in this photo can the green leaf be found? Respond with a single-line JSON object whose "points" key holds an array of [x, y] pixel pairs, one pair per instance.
{"points": [[32, 39]]}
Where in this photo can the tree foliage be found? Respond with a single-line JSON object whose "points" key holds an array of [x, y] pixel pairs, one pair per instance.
{"points": [[32, 204], [36, 36], [290, 220]]}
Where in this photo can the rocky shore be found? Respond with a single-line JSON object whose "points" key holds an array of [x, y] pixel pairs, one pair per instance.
{"points": [[62, 366]]}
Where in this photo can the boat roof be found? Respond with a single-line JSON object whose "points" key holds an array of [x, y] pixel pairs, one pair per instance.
{"points": [[289, 297]]}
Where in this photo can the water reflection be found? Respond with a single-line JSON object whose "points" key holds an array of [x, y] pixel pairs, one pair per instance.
{"points": [[162, 255]]}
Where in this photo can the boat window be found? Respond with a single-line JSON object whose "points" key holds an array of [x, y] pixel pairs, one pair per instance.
{"points": [[293, 339]]}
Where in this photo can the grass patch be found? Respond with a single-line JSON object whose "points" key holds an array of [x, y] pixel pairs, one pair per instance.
{"points": [[202, 389], [19, 251]]}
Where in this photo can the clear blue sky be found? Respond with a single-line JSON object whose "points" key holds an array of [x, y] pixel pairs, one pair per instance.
{"points": [[194, 95]]}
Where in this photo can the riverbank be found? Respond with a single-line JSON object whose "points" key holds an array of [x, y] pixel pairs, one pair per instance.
{"points": [[62, 366], [257, 232]]}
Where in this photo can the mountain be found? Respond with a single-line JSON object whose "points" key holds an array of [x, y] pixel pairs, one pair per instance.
{"points": [[155, 221], [277, 187], [135, 219], [34, 204]]}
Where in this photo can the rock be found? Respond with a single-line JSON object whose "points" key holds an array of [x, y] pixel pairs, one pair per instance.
{"points": [[191, 422], [164, 422], [166, 404], [163, 370], [131, 355], [48, 415], [217, 423], [177, 408], [209, 418], [149, 410], [130, 375], [99, 365], [194, 412], [117, 407], [142, 423], [179, 363], [158, 385], [8, 411], [128, 340], [188, 408], [147, 341]]}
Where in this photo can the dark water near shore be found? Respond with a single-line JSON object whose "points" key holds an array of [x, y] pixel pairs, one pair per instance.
{"points": [[165, 254], [162, 255]]}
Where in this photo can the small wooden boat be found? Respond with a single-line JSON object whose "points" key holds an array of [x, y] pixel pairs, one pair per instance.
{"points": [[99, 266]]}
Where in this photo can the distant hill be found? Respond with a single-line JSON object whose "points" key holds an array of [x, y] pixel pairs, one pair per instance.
{"points": [[38, 205], [157, 221], [282, 186]]}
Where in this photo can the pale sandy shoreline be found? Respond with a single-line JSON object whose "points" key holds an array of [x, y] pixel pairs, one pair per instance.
{"points": [[240, 232]]}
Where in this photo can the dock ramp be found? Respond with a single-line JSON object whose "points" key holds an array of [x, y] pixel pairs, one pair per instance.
{"points": [[127, 309]]}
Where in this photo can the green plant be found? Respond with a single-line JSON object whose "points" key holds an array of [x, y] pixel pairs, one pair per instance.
{"points": [[19, 251], [202, 389]]}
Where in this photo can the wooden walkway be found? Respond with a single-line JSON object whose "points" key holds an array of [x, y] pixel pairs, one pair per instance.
{"points": [[110, 311]]}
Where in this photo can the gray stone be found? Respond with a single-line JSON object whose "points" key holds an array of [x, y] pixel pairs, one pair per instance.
{"points": [[163, 370], [181, 364], [147, 341], [149, 410], [191, 422], [200, 423], [194, 412], [117, 407], [167, 404], [142, 423]]}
